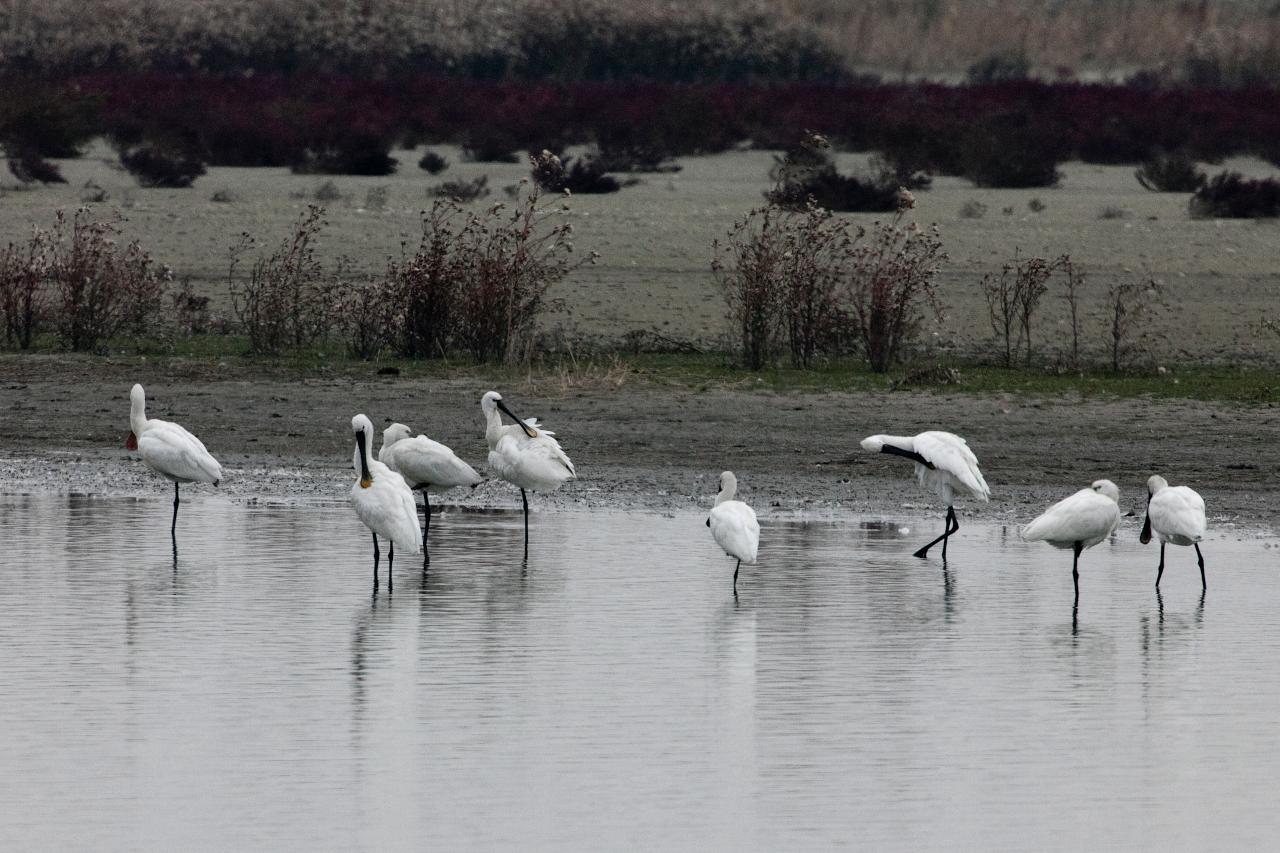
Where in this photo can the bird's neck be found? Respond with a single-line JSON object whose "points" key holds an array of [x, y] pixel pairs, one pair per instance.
{"points": [[138, 418], [493, 427], [725, 495]]}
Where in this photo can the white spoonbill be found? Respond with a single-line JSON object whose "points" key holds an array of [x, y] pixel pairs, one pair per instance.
{"points": [[734, 525], [426, 465], [1078, 522], [169, 450], [382, 500], [1176, 515], [944, 464], [522, 454]]}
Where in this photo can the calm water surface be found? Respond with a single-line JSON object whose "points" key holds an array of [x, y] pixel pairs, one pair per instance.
{"points": [[611, 694]]}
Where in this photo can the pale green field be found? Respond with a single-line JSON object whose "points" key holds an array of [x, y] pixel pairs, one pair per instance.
{"points": [[655, 244]]}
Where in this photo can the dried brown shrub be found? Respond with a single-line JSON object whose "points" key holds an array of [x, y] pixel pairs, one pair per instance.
{"points": [[781, 272], [285, 301], [892, 281], [98, 288], [1013, 297]]}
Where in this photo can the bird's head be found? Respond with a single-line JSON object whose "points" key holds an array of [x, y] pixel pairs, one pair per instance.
{"points": [[492, 401], [1154, 484], [1108, 488], [394, 433], [873, 443], [363, 428]]}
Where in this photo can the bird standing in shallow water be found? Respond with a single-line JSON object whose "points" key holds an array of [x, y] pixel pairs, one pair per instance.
{"points": [[1176, 515], [426, 466], [944, 464], [169, 450], [382, 500], [1078, 522], [733, 525], [523, 454]]}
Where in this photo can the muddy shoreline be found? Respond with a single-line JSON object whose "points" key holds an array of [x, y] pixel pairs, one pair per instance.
{"points": [[285, 438]]}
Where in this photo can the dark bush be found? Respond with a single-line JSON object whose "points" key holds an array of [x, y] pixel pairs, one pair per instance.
{"points": [[1231, 195], [152, 166], [352, 153], [495, 146], [28, 166], [47, 120], [1173, 172], [635, 158], [1012, 150], [581, 175], [433, 163], [808, 172], [461, 190], [1113, 142]]}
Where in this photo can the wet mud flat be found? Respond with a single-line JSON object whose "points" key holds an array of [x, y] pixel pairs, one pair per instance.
{"points": [[64, 425]]}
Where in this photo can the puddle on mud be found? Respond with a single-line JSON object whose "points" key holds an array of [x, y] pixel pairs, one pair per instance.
{"points": [[611, 693]]}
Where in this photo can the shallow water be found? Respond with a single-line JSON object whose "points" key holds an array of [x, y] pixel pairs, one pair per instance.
{"points": [[612, 694]]}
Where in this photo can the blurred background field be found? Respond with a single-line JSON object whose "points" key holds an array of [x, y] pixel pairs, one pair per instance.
{"points": [[1135, 141], [655, 239]]}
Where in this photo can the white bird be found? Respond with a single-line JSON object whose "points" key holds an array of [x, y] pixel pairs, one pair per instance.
{"points": [[169, 450], [522, 454], [382, 500], [1176, 514], [1078, 522], [944, 465], [734, 525], [427, 466]]}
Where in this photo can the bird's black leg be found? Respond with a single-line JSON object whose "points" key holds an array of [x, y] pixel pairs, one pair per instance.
{"points": [[1200, 559], [391, 558], [946, 531], [524, 499], [952, 525], [735, 577], [375, 562], [426, 528], [1160, 570], [1075, 566], [173, 527]]}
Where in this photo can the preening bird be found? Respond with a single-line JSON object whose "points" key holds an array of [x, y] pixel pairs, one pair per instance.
{"points": [[1176, 515], [1078, 522], [944, 465], [427, 466], [169, 450], [523, 454], [734, 525], [382, 500]]}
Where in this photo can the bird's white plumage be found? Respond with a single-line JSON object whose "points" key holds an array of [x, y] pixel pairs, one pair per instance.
{"points": [[955, 469], [384, 503], [1176, 513], [424, 463], [534, 462], [169, 449], [733, 523], [1087, 517]]}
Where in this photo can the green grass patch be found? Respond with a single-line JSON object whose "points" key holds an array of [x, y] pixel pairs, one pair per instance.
{"points": [[697, 371]]}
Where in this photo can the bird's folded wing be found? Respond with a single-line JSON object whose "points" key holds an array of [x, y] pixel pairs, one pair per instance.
{"points": [[950, 453]]}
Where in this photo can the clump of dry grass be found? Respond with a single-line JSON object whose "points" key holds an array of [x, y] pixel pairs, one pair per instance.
{"points": [[570, 375]]}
